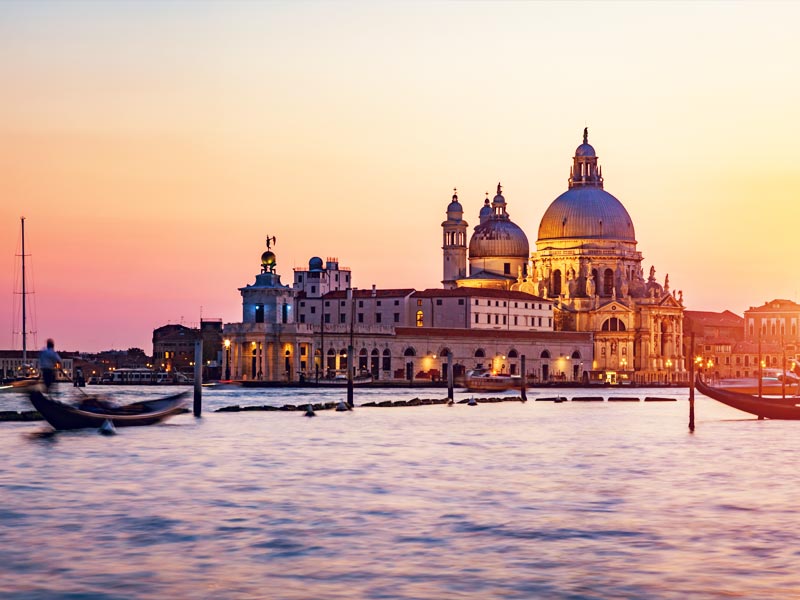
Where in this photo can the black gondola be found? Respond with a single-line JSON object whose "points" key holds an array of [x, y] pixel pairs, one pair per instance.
{"points": [[767, 408], [93, 413]]}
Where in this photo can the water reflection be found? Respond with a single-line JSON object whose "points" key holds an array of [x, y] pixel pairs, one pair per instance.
{"points": [[536, 500]]}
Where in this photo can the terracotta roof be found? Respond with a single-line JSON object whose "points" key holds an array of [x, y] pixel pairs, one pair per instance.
{"points": [[721, 319], [467, 292], [776, 306], [368, 293]]}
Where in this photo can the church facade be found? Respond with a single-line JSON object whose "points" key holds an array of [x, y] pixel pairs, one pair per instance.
{"points": [[587, 263]]}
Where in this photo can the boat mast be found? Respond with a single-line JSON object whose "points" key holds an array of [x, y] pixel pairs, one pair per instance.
{"points": [[24, 293]]}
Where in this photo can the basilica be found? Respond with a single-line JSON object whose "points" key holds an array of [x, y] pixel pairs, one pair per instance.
{"points": [[578, 305]]}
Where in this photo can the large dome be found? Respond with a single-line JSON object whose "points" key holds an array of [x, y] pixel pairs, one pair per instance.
{"points": [[498, 238], [586, 212]]}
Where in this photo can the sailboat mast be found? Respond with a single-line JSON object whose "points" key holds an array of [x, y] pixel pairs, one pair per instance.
{"points": [[24, 297]]}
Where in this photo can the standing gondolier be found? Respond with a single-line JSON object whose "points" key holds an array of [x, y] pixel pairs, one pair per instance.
{"points": [[49, 360]]}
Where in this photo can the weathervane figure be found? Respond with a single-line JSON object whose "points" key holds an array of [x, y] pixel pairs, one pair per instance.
{"points": [[270, 241]]}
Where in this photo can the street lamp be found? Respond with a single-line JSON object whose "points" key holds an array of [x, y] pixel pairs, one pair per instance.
{"points": [[227, 360]]}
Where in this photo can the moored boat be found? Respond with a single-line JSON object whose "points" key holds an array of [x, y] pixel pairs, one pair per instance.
{"points": [[93, 412], [484, 380], [765, 408]]}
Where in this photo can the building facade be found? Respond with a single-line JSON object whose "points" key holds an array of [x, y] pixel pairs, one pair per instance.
{"points": [[587, 262]]}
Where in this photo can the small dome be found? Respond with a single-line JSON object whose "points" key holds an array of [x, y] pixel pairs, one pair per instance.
{"points": [[586, 212], [585, 150], [268, 259], [486, 211], [315, 264], [455, 205], [498, 238]]}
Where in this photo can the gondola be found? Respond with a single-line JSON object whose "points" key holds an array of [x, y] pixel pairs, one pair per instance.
{"points": [[93, 412], [765, 408]]}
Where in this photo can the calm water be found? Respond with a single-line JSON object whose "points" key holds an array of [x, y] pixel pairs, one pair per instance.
{"points": [[535, 500]]}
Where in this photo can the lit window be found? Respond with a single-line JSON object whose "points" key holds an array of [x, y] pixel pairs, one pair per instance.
{"points": [[420, 319]]}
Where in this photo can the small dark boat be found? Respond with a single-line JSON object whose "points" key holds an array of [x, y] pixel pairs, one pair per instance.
{"points": [[93, 412], [765, 408]]}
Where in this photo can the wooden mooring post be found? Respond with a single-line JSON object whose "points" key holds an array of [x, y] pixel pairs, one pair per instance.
{"points": [[522, 393], [450, 376], [198, 378]]}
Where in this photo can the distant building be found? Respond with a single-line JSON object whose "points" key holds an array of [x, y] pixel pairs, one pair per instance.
{"points": [[13, 366], [305, 332], [718, 340], [173, 347]]}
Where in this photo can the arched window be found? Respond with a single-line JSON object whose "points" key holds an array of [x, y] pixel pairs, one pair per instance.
{"points": [[444, 352], [479, 353], [545, 354], [576, 354], [387, 360], [420, 319], [608, 282], [410, 352], [512, 354], [556, 283], [613, 324]]}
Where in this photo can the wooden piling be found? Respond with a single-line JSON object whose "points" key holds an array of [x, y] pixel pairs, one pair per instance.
{"points": [[198, 378], [523, 379], [350, 376], [449, 375], [691, 386]]}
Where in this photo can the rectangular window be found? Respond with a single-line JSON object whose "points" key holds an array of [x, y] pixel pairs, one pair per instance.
{"points": [[504, 320], [378, 302], [360, 317], [438, 302], [302, 304], [507, 268], [378, 317], [396, 317], [476, 318], [327, 303], [327, 318], [313, 310], [461, 302], [419, 302], [489, 319], [397, 302], [341, 318], [313, 289], [497, 320], [259, 313], [341, 303], [540, 321], [360, 304], [516, 320], [302, 318]]}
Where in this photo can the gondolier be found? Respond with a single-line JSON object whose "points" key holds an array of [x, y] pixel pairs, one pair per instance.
{"points": [[49, 361]]}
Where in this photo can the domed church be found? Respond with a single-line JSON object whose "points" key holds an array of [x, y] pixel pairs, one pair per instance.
{"points": [[498, 249], [587, 263]]}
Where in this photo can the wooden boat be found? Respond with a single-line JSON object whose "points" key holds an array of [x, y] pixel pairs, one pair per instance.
{"points": [[93, 413], [340, 379], [765, 408], [483, 380]]}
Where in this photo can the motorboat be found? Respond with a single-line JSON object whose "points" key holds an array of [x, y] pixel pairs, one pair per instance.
{"points": [[485, 380]]}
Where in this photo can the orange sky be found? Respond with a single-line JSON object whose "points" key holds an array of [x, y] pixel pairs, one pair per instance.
{"points": [[152, 146]]}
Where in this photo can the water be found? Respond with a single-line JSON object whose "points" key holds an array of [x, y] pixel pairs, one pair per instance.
{"points": [[509, 500]]}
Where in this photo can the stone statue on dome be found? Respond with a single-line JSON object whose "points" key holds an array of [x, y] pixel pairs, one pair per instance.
{"points": [[590, 285], [666, 283]]}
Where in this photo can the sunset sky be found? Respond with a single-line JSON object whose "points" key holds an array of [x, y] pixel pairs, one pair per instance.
{"points": [[152, 146]]}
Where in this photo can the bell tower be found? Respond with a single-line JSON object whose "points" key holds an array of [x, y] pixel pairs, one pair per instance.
{"points": [[454, 244]]}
